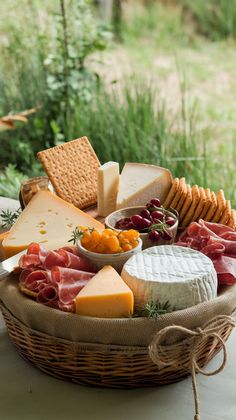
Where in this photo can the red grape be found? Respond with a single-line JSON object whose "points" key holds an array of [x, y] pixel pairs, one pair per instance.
{"points": [[136, 219], [170, 221], [165, 235], [145, 223], [154, 235], [156, 214], [145, 213], [156, 202]]}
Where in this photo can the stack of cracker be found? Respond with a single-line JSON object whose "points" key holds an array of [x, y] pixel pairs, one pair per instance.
{"points": [[195, 203], [72, 168]]}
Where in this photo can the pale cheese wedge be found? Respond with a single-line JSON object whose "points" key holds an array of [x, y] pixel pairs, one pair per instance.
{"points": [[106, 295], [108, 182], [48, 220], [140, 182]]}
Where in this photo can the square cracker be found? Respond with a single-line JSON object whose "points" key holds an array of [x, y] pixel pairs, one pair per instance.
{"points": [[72, 169]]}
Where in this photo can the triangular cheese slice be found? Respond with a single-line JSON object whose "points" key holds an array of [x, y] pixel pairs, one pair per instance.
{"points": [[106, 295], [140, 182], [48, 220]]}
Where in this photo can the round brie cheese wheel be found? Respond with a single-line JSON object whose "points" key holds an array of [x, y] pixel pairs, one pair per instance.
{"points": [[182, 276]]}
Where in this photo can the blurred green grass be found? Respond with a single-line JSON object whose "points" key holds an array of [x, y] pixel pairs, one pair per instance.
{"points": [[189, 129]]}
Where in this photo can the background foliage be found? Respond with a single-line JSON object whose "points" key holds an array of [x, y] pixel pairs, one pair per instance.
{"points": [[56, 63]]}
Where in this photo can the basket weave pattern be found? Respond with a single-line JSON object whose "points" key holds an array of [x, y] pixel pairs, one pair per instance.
{"points": [[105, 365]]}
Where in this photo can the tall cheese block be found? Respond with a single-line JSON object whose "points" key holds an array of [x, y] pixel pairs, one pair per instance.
{"points": [[106, 295], [182, 276], [108, 182], [140, 182], [47, 219]]}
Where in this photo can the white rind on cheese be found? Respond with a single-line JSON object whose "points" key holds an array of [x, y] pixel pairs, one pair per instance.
{"points": [[141, 182], [182, 276], [108, 182]]}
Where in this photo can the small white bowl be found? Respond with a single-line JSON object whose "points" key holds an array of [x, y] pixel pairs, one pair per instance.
{"points": [[115, 260], [114, 217]]}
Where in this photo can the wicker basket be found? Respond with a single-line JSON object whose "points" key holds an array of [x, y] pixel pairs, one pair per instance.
{"points": [[109, 365]]}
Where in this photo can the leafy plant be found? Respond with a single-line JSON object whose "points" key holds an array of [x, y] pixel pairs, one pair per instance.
{"points": [[214, 18], [9, 217], [10, 181]]}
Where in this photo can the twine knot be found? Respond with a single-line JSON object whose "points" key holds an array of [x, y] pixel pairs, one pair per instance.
{"points": [[163, 354]]}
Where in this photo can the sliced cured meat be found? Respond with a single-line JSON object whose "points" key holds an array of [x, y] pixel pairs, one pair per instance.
{"points": [[69, 307], [76, 262], [216, 241], [213, 250], [69, 282], [53, 259], [24, 274], [73, 249], [36, 279], [35, 248], [216, 228], [226, 270], [60, 274], [29, 261], [230, 236], [48, 294]]}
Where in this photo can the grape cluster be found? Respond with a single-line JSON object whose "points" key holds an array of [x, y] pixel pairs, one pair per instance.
{"points": [[153, 219]]}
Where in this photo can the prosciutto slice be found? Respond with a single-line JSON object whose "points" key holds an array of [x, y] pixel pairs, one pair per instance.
{"points": [[216, 241], [69, 282], [56, 276], [35, 280]]}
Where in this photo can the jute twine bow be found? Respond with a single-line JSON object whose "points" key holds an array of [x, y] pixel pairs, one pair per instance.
{"points": [[169, 355]]}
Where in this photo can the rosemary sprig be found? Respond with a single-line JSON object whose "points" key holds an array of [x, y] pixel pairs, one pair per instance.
{"points": [[155, 309], [9, 217], [75, 235]]}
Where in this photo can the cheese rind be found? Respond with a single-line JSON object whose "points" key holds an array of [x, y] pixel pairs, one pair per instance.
{"points": [[106, 295], [181, 276], [47, 219], [140, 182], [108, 182]]}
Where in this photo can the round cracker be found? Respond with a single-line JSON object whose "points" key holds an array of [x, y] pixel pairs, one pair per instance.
{"points": [[212, 208], [179, 193], [221, 205], [207, 204], [226, 213], [195, 200], [182, 199], [171, 193], [187, 202], [232, 220], [200, 205]]}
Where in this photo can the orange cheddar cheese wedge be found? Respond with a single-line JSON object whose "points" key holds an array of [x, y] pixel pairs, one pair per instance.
{"points": [[48, 220], [106, 295]]}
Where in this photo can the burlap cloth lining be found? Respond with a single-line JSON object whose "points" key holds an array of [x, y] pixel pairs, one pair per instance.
{"points": [[121, 332]]}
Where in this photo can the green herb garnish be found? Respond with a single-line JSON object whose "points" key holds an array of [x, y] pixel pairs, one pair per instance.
{"points": [[155, 309], [77, 234], [9, 217]]}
